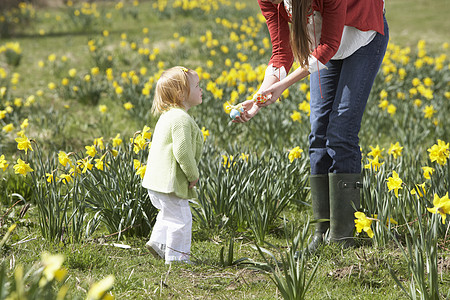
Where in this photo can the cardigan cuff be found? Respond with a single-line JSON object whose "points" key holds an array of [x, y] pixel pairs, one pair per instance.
{"points": [[279, 73], [315, 64]]}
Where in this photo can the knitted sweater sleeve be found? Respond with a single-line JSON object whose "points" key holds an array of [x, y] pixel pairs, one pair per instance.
{"points": [[183, 147]]}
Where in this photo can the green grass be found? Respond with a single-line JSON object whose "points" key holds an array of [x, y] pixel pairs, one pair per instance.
{"points": [[359, 273], [411, 21]]}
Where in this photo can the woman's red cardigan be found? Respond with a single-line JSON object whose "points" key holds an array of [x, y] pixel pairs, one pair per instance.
{"points": [[362, 14]]}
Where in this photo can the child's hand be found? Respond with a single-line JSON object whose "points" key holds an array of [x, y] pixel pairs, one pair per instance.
{"points": [[193, 183], [250, 110]]}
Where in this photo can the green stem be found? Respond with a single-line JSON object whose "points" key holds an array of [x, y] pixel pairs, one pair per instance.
{"points": [[448, 177]]}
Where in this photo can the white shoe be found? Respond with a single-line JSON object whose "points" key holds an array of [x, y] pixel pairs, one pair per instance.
{"points": [[156, 249], [184, 261]]}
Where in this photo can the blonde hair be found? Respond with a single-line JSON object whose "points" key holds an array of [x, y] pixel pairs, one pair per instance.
{"points": [[171, 89]]}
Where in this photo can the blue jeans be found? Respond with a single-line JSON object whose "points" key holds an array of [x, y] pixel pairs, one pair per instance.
{"points": [[336, 118]]}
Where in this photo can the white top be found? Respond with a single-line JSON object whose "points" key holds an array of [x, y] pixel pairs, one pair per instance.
{"points": [[352, 39]]}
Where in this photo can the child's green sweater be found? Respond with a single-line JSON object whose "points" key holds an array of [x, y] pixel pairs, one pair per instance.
{"points": [[174, 154]]}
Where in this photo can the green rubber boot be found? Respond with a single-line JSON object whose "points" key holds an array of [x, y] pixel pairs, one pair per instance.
{"points": [[321, 208], [344, 199]]}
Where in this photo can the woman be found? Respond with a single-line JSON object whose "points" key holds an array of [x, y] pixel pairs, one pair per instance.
{"points": [[341, 44]]}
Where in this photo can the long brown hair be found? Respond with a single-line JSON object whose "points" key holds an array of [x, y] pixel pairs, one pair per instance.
{"points": [[300, 39]]}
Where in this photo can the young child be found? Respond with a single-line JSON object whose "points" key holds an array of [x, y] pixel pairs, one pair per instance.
{"points": [[172, 166]]}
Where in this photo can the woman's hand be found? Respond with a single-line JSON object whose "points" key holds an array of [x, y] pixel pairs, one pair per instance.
{"points": [[270, 86], [273, 92], [250, 110]]}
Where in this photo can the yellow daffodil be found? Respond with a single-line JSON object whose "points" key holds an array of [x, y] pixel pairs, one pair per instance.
{"points": [[99, 162], [3, 163], [65, 178], [391, 109], [441, 206], [146, 132], [402, 73], [428, 81], [429, 111], [390, 221], [117, 141], [304, 87], [85, 164], [72, 72], [102, 109], [227, 161], [141, 171], [8, 128], [363, 223], [439, 152], [427, 172], [244, 157], [419, 189], [18, 102], [63, 158], [23, 143], [394, 183], [139, 143], [24, 124], [100, 289], [52, 57], [395, 150], [383, 104], [95, 71], [2, 91], [295, 153], [305, 107], [99, 143], [128, 106], [296, 116], [50, 177], [52, 268], [205, 133], [22, 168], [373, 164], [90, 150], [375, 151], [136, 164], [114, 152]]}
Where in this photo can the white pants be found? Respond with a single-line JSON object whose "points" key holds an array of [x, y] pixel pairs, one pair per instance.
{"points": [[173, 226]]}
